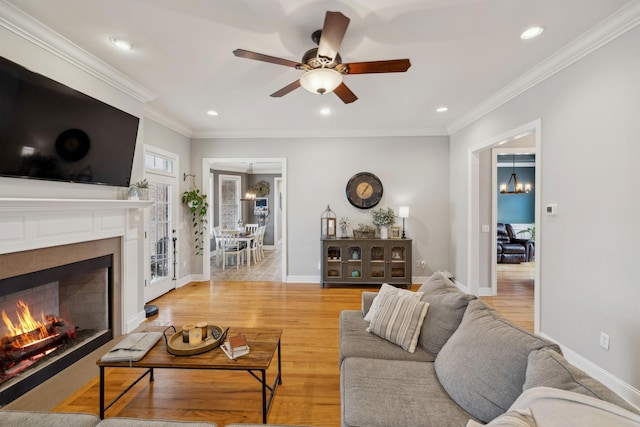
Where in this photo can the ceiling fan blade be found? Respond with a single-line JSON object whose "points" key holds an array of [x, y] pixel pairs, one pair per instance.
{"points": [[335, 26], [391, 66], [285, 90], [345, 94], [265, 58]]}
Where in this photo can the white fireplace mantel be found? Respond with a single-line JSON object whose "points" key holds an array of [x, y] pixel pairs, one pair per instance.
{"points": [[27, 224]]}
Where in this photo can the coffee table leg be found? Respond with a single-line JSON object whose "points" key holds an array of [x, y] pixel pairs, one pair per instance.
{"points": [[102, 392], [264, 396]]}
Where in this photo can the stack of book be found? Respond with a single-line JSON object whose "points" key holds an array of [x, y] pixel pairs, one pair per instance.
{"points": [[235, 347]]}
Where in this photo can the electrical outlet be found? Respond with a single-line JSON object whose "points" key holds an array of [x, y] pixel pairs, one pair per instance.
{"points": [[486, 228], [604, 340], [421, 264]]}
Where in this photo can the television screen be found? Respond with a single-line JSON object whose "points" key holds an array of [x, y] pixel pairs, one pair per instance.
{"points": [[50, 131]]}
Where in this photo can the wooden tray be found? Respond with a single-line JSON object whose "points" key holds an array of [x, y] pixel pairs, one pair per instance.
{"points": [[176, 347]]}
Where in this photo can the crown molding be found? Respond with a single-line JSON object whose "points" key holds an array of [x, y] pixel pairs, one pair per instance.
{"points": [[611, 28], [320, 133], [164, 120], [32, 30]]}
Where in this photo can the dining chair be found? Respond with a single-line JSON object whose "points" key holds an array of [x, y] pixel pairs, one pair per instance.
{"points": [[251, 228], [261, 232], [217, 252], [254, 248], [232, 246]]}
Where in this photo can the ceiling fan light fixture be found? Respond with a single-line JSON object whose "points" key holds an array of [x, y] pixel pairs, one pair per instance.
{"points": [[321, 80]]}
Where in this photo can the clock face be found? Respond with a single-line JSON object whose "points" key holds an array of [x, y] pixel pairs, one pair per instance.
{"points": [[364, 190]]}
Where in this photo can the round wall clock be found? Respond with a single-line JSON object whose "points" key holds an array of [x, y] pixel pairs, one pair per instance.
{"points": [[364, 190]]}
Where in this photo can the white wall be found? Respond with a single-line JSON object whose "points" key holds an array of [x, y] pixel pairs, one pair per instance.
{"points": [[588, 253], [414, 172]]}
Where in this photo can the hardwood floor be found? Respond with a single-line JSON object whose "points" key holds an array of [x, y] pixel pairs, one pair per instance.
{"points": [[310, 392], [515, 293]]}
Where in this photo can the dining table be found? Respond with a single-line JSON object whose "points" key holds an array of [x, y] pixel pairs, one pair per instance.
{"points": [[243, 237]]}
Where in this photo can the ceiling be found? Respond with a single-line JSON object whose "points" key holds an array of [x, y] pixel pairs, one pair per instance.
{"points": [[464, 53]]}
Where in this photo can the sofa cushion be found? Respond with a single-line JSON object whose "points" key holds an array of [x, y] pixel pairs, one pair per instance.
{"points": [[139, 422], [47, 419], [399, 319], [548, 368], [378, 393], [387, 289], [447, 305], [483, 365], [355, 341]]}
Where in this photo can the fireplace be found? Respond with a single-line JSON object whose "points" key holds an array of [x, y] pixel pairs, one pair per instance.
{"points": [[53, 235], [51, 319]]}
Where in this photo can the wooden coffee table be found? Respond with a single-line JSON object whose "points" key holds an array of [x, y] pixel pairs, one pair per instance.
{"points": [[263, 343]]}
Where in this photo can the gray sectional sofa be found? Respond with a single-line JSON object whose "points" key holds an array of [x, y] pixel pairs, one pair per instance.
{"points": [[69, 419], [469, 366]]}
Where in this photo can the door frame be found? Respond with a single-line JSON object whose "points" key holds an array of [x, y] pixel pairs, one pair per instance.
{"points": [[169, 283], [206, 162], [473, 214]]}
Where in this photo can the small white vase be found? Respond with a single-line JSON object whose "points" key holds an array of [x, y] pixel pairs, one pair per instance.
{"points": [[384, 232]]}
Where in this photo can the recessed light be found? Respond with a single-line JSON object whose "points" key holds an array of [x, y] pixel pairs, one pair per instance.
{"points": [[212, 113], [442, 109], [121, 43], [325, 111], [532, 32]]}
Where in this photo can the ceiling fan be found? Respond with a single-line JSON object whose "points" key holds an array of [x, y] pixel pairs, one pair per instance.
{"points": [[323, 67]]}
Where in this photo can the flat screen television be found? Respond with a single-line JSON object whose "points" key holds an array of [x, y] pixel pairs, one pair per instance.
{"points": [[50, 131]]}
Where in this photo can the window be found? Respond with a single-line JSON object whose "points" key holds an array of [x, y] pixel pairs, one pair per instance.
{"points": [[160, 230], [229, 201]]}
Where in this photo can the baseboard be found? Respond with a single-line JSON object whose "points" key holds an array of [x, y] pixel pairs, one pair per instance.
{"points": [[626, 391], [184, 281], [464, 288], [303, 279], [131, 324], [485, 292]]}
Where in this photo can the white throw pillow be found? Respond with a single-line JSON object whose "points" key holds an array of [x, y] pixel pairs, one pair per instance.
{"points": [[399, 320], [390, 290]]}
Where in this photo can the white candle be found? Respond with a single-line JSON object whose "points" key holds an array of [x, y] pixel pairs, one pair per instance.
{"points": [[195, 336]]}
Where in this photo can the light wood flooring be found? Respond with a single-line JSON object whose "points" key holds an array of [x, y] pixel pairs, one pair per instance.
{"points": [[310, 392]]}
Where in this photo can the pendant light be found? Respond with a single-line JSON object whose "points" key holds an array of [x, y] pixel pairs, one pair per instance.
{"points": [[250, 195], [518, 188]]}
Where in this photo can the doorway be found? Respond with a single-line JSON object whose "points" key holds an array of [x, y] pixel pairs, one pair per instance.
{"points": [[482, 214], [278, 211]]}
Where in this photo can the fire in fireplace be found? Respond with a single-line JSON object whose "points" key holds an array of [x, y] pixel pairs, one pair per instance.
{"points": [[30, 340], [73, 308]]}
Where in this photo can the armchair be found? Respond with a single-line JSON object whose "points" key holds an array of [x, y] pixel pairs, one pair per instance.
{"points": [[512, 250]]}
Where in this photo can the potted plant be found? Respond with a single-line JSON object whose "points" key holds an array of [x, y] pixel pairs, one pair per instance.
{"points": [[143, 189], [198, 206], [383, 218]]}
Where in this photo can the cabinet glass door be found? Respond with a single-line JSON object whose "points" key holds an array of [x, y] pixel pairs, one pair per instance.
{"points": [[354, 262], [398, 262], [333, 262], [377, 262]]}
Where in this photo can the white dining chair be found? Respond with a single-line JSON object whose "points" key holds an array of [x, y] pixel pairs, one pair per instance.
{"points": [[217, 238], [251, 228], [231, 246], [261, 232], [254, 248]]}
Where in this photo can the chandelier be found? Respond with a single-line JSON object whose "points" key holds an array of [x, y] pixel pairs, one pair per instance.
{"points": [[513, 186], [250, 195]]}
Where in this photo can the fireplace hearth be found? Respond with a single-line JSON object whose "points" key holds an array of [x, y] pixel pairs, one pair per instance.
{"points": [[74, 303]]}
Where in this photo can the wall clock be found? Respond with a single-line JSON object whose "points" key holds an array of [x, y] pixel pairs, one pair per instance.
{"points": [[364, 190]]}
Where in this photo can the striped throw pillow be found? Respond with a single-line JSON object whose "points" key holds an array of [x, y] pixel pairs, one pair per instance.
{"points": [[399, 320]]}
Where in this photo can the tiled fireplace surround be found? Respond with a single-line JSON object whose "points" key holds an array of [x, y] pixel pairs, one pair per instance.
{"points": [[37, 234]]}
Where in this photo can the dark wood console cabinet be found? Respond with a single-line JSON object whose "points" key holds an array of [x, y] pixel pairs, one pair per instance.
{"points": [[366, 261]]}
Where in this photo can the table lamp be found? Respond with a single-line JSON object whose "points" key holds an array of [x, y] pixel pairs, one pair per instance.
{"points": [[403, 212]]}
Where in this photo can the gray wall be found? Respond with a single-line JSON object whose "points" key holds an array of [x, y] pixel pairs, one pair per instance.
{"points": [[587, 253], [413, 170]]}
